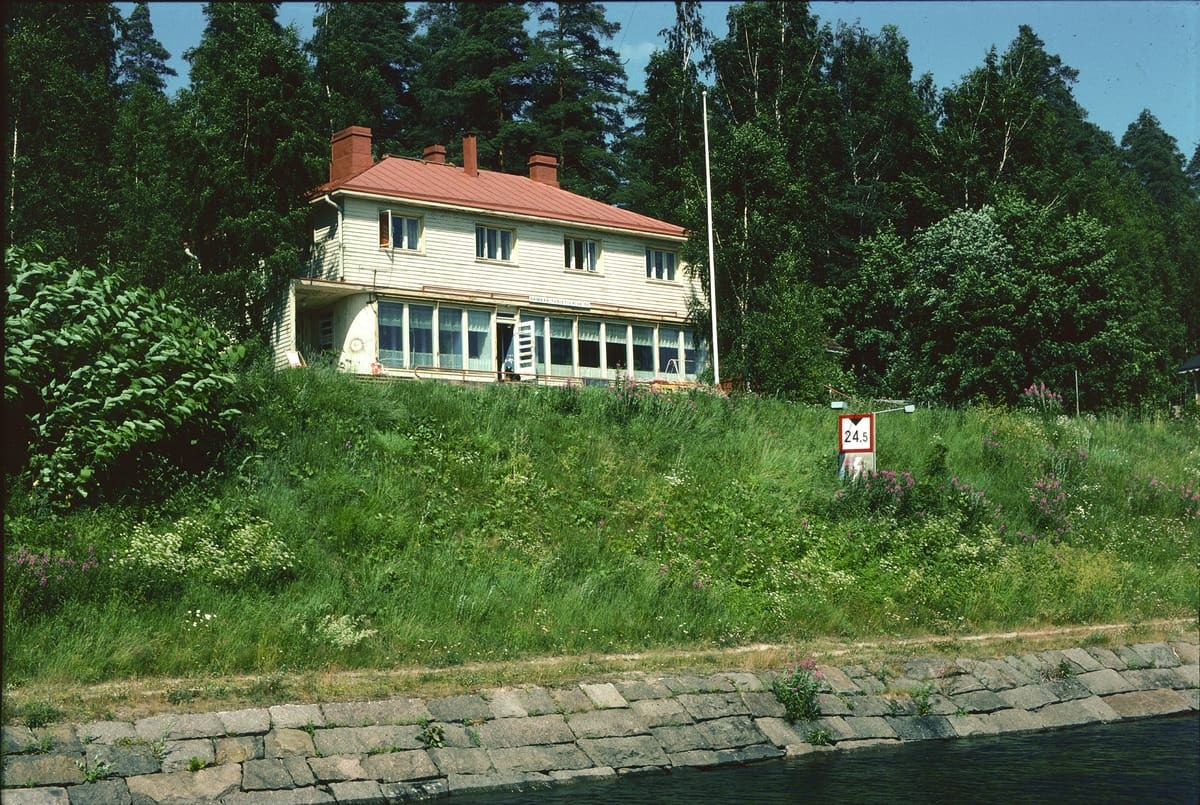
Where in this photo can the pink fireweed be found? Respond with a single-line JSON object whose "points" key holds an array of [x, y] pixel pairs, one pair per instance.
{"points": [[40, 581], [1039, 398]]}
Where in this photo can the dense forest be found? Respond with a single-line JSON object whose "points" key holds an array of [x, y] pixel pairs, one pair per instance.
{"points": [[956, 245]]}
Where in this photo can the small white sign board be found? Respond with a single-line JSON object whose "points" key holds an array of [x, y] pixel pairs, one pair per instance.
{"points": [[856, 433]]}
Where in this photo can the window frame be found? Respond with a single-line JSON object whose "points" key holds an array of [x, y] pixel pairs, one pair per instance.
{"points": [[388, 229], [656, 268], [482, 257], [595, 253]]}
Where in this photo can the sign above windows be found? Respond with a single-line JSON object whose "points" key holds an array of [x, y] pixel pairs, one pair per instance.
{"points": [[559, 302]]}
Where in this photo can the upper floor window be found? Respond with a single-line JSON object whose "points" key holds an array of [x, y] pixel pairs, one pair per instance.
{"points": [[492, 243], [660, 264], [398, 231], [581, 255]]}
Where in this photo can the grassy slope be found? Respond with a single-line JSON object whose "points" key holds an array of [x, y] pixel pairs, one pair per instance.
{"points": [[432, 525]]}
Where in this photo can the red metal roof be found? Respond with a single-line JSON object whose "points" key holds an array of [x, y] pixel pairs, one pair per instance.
{"points": [[489, 191]]}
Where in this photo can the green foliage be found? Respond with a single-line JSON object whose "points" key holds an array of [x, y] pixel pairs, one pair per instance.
{"points": [[797, 689], [142, 60], [576, 105], [38, 714], [60, 96], [432, 735], [819, 737], [995, 299], [476, 63], [249, 124], [100, 378], [364, 59], [96, 771], [921, 698], [785, 344], [433, 524], [663, 169], [230, 550]]}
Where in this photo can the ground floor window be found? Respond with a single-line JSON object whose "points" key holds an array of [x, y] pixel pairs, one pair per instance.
{"points": [[420, 335], [643, 353], [450, 340], [668, 351], [589, 349], [479, 340], [614, 346], [562, 347], [391, 334], [444, 336]]}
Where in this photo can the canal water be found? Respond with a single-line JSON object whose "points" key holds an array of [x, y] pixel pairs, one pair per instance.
{"points": [[1146, 761]]}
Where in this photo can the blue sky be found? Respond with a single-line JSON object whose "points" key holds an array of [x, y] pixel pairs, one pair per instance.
{"points": [[1130, 55]]}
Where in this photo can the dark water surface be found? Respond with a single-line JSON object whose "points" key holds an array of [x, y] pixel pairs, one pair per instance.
{"points": [[1147, 761]]}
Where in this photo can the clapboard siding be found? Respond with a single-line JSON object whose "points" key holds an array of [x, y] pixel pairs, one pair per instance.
{"points": [[447, 259], [283, 328]]}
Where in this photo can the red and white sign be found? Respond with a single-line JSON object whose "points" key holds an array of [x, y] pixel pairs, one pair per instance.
{"points": [[856, 433]]}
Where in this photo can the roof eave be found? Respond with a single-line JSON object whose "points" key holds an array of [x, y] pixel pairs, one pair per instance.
{"points": [[340, 189]]}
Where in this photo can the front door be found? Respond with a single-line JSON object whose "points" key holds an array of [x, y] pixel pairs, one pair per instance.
{"points": [[505, 351]]}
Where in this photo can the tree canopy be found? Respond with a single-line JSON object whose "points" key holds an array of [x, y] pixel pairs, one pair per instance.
{"points": [[951, 245]]}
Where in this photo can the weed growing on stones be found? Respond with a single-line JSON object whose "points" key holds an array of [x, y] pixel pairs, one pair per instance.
{"points": [[797, 691]]}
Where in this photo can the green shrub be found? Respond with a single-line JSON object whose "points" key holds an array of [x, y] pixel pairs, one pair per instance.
{"points": [[797, 691], [100, 378]]}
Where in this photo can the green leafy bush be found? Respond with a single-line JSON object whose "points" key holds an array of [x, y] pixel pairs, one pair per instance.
{"points": [[797, 691], [99, 377]]}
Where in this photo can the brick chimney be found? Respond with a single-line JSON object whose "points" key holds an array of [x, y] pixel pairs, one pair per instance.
{"points": [[470, 156], [544, 168], [351, 152], [435, 153]]}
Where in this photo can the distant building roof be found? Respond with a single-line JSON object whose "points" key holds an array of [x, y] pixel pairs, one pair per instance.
{"points": [[422, 180], [1192, 364]]}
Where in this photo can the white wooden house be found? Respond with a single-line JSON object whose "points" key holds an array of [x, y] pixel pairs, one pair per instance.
{"points": [[427, 269]]}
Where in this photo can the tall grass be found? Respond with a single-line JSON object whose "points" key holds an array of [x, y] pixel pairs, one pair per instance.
{"points": [[424, 523]]}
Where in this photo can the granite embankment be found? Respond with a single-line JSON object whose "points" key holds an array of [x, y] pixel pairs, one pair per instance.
{"points": [[404, 749]]}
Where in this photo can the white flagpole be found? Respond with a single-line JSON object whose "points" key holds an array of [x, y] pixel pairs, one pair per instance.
{"points": [[712, 271]]}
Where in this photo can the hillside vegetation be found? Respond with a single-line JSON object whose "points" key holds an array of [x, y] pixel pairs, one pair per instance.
{"points": [[359, 525]]}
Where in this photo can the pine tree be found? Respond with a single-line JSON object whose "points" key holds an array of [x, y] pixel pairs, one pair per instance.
{"points": [[142, 60], [475, 75], [1154, 158], [146, 237], [578, 96], [365, 60], [664, 149], [772, 148]]}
